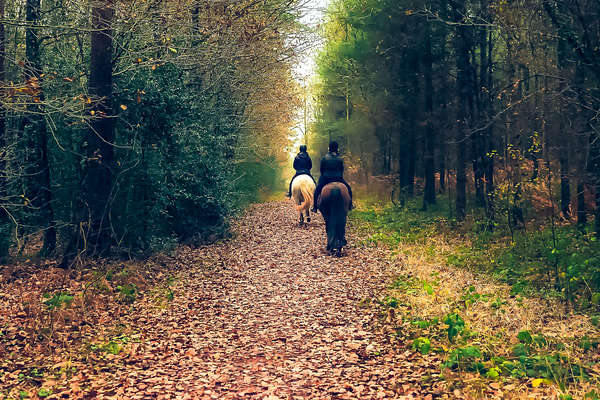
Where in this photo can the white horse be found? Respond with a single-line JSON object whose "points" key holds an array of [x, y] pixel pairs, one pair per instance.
{"points": [[303, 189]]}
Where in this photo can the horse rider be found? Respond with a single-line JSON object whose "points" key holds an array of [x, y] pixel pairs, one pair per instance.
{"points": [[302, 165], [332, 170]]}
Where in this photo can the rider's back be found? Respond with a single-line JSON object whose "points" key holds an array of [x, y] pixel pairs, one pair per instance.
{"points": [[302, 162], [332, 166]]}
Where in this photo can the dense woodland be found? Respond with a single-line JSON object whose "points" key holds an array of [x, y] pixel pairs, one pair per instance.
{"points": [[128, 126], [489, 107]]}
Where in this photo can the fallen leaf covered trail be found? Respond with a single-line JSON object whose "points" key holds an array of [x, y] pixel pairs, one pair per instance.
{"points": [[271, 316]]}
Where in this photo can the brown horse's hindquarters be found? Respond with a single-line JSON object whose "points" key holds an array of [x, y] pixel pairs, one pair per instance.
{"points": [[334, 204], [327, 192]]}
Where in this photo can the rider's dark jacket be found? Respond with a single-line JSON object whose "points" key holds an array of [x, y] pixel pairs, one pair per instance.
{"points": [[332, 166], [302, 162]]}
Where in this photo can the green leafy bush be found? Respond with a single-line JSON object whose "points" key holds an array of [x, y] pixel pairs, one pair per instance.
{"points": [[58, 300], [422, 345], [456, 325]]}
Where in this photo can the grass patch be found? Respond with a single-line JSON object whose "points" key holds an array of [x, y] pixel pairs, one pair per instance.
{"points": [[491, 304], [563, 262]]}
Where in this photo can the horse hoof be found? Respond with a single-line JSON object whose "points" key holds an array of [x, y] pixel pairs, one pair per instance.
{"points": [[307, 219]]}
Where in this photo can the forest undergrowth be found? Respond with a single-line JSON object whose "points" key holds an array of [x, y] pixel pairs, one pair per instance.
{"points": [[488, 303]]}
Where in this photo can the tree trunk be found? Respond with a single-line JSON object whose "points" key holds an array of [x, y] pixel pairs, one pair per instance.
{"points": [[443, 116], [597, 213], [412, 159], [429, 193], [98, 171], [465, 101], [565, 184], [4, 218], [594, 174], [403, 168], [582, 142], [581, 211], [563, 55], [478, 167], [39, 187], [412, 137], [442, 161], [488, 145], [478, 138]]}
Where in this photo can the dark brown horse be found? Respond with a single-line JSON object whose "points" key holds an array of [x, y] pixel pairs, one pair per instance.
{"points": [[334, 204]]}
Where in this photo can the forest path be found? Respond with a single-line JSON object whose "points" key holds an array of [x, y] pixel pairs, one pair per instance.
{"points": [[269, 316]]}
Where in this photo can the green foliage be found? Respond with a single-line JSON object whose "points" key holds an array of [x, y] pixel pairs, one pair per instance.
{"points": [[43, 392], [497, 303], [196, 136], [32, 375], [425, 324], [593, 395], [422, 345], [470, 297], [468, 358], [170, 294], [525, 337], [524, 363], [190, 198], [428, 288], [493, 373], [456, 325], [57, 300], [127, 293], [390, 302], [527, 262], [535, 356], [113, 346]]}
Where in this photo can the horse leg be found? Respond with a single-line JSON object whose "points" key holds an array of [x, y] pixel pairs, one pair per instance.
{"points": [[308, 215], [343, 233], [328, 247], [301, 218]]}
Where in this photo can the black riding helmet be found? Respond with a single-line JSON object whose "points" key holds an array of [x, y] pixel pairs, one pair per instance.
{"points": [[333, 147]]}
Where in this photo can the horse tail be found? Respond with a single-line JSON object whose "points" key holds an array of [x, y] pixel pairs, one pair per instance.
{"points": [[336, 200], [307, 198]]}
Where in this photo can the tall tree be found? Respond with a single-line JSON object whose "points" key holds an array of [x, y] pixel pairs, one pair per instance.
{"points": [[99, 165], [462, 43], [430, 133], [4, 218], [39, 190]]}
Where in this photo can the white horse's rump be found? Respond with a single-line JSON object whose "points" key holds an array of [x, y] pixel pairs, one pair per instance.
{"points": [[303, 189]]}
